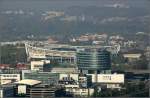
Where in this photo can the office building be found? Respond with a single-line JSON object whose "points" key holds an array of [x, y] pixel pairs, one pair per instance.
{"points": [[108, 80], [75, 85], [45, 77], [38, 65], [33, 89], [97, 60]]}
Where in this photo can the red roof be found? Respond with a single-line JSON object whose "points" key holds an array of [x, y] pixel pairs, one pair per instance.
{"points": [[2, 66]]}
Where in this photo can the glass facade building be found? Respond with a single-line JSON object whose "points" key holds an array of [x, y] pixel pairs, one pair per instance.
{"points": [[45, 77], [93, 59]]}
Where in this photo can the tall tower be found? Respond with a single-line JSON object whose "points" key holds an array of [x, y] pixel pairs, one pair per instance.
{"points": [[94, 61]]}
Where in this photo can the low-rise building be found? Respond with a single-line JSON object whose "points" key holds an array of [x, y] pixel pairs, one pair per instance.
{"points": [[76, 91], [109, 80], [132, 56], [9, 78], [38, 65], [44, 77], [73, 76], [71, 84], [33, 88], [4, 66], [64, 70]]}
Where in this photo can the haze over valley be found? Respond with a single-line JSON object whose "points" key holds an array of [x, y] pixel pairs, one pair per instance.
{"points": [[67, 18]]}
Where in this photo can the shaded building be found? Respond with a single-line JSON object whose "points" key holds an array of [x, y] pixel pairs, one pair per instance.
{"points": [[33, 88], [45, 77]]}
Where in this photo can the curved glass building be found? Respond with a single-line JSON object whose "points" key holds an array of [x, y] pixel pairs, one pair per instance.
{"points": [[93, 59]]}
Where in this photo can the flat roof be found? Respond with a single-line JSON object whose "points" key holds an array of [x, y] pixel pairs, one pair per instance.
{"points": [[28, 82], [138, 55]]}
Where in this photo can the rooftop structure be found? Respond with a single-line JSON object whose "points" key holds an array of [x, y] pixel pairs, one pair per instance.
{"points": [[38, 65], [64, 70], [72, 85], [108, 80], [28, 82], [44, 77], [9, 78], [33, 88], [52, 54], [136, 56], [61, 53]]}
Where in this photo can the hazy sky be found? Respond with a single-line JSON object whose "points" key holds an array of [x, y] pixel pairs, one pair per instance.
{"points": [[8, 4]]}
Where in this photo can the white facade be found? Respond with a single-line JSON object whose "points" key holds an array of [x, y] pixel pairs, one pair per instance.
{"points": [[1, 93], [80, 91], [41, 52], [134, 56], [64, 70], [110, 80], [38, 65], [77, 91], [22, 89], [71, 86], [74, 88], [82, 79], [113, 86], [73, 76], [9, 78]]}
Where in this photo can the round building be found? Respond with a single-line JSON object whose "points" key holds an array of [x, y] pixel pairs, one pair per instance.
{"points": [[94, 60]]}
